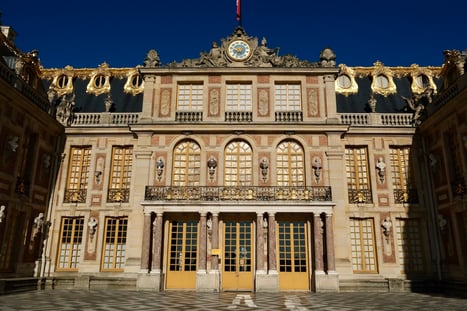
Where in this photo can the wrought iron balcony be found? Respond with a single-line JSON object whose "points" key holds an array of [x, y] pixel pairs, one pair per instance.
{"points": [[75, 196], [402, 196], [119, 195], [203, 193], [360, 196]]}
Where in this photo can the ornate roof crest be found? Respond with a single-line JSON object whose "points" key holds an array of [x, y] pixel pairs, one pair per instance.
{"points": [[242, 50]]}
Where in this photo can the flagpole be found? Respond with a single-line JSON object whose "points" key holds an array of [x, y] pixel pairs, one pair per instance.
{"points": [[239, 12]]}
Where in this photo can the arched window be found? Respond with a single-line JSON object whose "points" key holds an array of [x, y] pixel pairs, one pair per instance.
{"points": [[238, 164], [290, 164], [186, 164]]}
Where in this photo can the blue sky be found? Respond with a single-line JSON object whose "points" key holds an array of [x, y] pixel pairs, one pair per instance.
{"points": [[87, 33]]}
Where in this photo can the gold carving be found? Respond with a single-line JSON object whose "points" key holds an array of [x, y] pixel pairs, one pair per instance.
{"points": [[345, 82], [422, 78], [62, 82], [134, 84], [382, 80], [100, 81]]}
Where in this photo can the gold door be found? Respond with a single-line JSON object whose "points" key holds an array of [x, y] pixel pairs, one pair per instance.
{"points": [[238, 256], [293, 255], [182, 254]]}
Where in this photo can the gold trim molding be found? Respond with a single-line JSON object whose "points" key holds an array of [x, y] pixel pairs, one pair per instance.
{"points": [[350, 73]]}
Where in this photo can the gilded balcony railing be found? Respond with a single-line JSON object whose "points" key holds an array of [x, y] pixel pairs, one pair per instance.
{"points": [[75, 196], [402, 196], [119, 195], [202, 193], [360, 196]]}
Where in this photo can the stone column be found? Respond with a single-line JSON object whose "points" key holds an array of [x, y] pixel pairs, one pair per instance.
{"points": [[330, 244], [202, 243], [330, 95], [272, 260], [318, 238], [157, 244], [215, 241], [146, 242], [259, 243]]}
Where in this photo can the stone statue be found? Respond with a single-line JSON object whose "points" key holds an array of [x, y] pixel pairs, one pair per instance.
{"points": [[215, 57], [2, 213], [92, 224], [328, 58], [381, 167], [64, 109], [417, 104], [152, 59]]}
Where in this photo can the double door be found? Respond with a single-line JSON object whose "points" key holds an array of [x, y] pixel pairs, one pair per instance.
{"points": [[238, 255]]}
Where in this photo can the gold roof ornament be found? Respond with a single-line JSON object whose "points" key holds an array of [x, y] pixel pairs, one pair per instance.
{"points": [[422, 79], [382, 80], [62, 82], [100, 80], [134, 83], [345, 82]]}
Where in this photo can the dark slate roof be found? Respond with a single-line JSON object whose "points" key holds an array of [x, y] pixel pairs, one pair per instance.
{"points": [[393, 103]]}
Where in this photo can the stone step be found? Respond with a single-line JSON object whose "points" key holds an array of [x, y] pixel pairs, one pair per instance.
{"points": [[17, 285], [364, 285]]}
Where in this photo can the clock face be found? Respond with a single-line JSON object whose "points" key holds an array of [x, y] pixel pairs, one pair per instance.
{"points": [[239, 50]]}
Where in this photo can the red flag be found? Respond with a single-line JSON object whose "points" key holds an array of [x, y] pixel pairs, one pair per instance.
{"points": [[238, 10]]}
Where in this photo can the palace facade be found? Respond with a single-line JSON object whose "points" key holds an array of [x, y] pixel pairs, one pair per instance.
{"points": [[245, 170]]}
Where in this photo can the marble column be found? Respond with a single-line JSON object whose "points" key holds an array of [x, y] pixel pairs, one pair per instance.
{"points": [[157, 244], [215, 241], [272, 260], [318, 239], [259, 242], [202, 243], [146, 242], [330, 244]]}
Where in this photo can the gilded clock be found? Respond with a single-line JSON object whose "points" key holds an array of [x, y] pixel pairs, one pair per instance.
{"points": [[239, 50]]}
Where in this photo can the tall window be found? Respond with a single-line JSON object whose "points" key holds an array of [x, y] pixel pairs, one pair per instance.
{"points": [[71, 238], [238, 164], [78, 173], [358, 178], [290, 165], [401, 174], [238, 97], [287, 97], [187, 164], [190, 97], [410, 246], [114, 248], [120, 173], [363, 245]]}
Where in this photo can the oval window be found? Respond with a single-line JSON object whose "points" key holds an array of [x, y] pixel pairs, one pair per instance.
{"points": [[344, 81]]}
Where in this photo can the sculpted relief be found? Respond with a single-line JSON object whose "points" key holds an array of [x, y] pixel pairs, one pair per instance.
{"points": [[241, 50]]}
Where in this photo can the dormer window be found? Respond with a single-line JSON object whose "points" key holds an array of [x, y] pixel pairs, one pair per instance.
{"points": [[344, 81], [382, 81], [62, 81], [136, 81], [99, 81], [422, 81]]}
